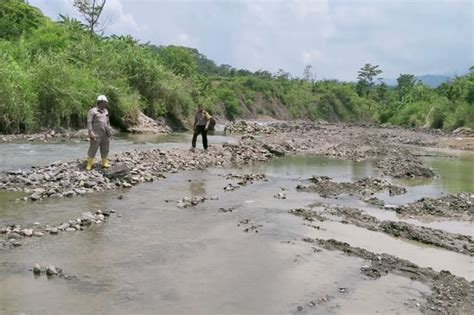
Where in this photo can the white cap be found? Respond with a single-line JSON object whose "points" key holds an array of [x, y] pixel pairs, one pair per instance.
{"points": [[102, 98]]}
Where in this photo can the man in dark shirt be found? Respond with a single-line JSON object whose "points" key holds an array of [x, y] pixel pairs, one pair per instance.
{"points": [[201, 123]]}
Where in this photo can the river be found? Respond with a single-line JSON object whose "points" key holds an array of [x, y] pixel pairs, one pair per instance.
{"points": [[153, 257]]}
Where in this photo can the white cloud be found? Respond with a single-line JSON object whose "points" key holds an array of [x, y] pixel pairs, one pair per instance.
{"points": [[312, 56], [335, 36], [187, 40], [122, 22]]}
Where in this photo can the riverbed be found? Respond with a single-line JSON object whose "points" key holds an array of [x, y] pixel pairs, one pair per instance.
{"points": [[238, 252]]}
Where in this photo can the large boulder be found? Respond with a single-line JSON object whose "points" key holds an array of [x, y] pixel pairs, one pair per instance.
{"points": [[149, 125]]}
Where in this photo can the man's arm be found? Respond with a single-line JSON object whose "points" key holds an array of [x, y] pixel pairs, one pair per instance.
{"points": [[208, 119], [108, 128], [90, 119]]}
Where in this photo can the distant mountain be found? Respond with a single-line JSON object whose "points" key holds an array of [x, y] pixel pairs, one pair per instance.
{"points": [[433, 80]]}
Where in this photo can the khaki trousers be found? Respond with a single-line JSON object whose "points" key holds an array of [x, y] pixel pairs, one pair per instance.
{"points": [[101, 142]]}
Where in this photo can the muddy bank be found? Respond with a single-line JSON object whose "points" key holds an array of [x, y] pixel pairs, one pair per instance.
{"points": [[450, 294], [454, 242], [458, 206], [325, 187]]}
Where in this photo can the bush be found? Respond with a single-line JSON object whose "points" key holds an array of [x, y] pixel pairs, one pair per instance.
{"points": [[230, 100], [65, 93], [17, 98]]}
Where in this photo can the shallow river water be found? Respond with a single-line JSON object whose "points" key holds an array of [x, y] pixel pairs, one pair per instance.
{"points": [[153, 257]]}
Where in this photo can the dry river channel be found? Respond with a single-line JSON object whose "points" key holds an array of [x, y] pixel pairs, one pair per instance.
{"points": [[316, 219]]}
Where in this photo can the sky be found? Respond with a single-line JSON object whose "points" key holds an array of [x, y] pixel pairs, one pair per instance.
{"points": [[335, 37]]}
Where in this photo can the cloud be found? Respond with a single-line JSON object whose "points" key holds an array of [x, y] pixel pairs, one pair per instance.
{"points": [[121, 22], [336, 37]]}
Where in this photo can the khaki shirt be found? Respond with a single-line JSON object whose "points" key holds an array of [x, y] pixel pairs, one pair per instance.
{"points": [[98, 122]]}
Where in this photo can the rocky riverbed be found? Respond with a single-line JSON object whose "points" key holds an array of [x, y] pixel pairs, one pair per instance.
{"points": [[199, 214], [389, 147]]}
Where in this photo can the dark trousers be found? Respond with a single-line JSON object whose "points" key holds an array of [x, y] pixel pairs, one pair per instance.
{"points": [[200, 130]]}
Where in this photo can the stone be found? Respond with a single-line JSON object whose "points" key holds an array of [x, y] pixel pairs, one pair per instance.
{"points": [[14, 236], [69, 193], [53, 231], [27, 232], [87, 216], [37, 269], [38, 233], [119, 171], [63, 226], [51, 270]]}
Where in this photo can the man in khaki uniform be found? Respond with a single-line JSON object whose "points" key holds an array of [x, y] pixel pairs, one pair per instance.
{"points": [[99, 132]]}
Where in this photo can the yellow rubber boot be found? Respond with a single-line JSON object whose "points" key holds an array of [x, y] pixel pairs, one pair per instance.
{"points": [[90, 162], [105, 163]]}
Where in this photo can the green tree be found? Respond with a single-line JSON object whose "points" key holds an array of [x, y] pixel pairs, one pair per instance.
{"points": [[366, 76], [406, 85], [178, 59], [17, 17]]}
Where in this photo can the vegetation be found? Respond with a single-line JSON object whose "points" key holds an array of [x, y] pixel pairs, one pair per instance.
{"points": [[51, 72]]}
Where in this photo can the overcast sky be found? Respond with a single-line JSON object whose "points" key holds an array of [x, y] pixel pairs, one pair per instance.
{"points": [[336, 37]]}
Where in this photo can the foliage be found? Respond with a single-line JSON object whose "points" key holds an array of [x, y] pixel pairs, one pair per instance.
{"points": [[51, 72], [17, 18]]}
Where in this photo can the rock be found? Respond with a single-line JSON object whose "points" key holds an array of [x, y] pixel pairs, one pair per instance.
{"points": [[37, 269], [69, 193], [14, 236], [51, 270], [149, 125], [70, 229], [87, 216], [63, 226], [38, 233], [119, 171], [53, 231], [27, 232]]}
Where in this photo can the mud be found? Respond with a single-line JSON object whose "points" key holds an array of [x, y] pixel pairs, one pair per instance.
{"points": [[325, 187], [454, 242], [458, 206], [450, 294]]}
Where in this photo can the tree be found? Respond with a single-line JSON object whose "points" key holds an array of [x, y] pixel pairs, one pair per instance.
{"points": [[17, 17], [406, 84], [308, 75], [90, 11], [178, 59], [366, 77]]}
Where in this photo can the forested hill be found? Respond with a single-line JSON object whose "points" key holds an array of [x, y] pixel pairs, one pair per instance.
{"points": [[51, 72]]}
